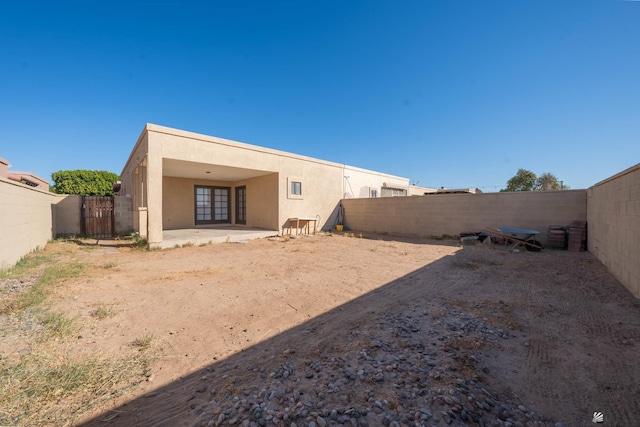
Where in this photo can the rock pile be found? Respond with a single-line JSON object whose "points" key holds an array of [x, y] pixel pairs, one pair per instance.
{"points": [[409, 369]]}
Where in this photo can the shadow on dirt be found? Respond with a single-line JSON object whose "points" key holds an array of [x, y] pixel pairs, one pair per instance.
{"points": [[425, 348], [116, 242]]}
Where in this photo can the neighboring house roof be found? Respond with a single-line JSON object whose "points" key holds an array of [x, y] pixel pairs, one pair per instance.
{"points": [[416, 190], [29, 178], [457, 191]]}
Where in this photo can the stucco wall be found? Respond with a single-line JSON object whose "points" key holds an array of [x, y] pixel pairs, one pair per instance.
{"points": [[321, 190], [26, 220], [436, 215], [137, 155], [68, 216], [613, 208], [262, 201], [359, 183]]}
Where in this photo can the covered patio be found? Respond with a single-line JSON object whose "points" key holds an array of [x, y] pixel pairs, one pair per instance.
{"points": [[224, 214]]}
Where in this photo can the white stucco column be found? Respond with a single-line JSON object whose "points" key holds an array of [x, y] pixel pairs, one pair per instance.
{"points": [[154, 195]]}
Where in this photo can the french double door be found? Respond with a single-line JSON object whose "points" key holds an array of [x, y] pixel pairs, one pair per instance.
{"points": [[212, 205]]}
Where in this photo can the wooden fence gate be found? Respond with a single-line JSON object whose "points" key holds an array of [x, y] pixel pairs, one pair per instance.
{"points": [[97, 216]]}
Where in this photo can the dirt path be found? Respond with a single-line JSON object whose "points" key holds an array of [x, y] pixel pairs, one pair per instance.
{"points": [[394, 329]]}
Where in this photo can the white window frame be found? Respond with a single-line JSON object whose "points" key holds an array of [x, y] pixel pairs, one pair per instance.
{"points": [[291, 181]]}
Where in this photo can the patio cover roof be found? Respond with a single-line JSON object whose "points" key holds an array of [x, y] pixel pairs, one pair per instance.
{"points": [[185, 169]]}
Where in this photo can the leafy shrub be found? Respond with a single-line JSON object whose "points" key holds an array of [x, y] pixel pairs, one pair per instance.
{"points": [[84, 182]]}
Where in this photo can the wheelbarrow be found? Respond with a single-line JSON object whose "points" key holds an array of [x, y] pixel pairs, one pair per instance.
{"points": [[518, 236]]}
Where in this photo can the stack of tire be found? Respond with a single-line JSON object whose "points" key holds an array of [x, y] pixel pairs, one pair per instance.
{"points": [[557, 237]]}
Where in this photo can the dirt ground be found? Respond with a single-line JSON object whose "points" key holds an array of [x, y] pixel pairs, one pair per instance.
{"points": [[554, 331]]}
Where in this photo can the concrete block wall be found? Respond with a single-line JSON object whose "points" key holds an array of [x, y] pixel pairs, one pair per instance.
{"points": [[613, 215], [67, 215], [123, 215], [26, 220], [437, 215]]}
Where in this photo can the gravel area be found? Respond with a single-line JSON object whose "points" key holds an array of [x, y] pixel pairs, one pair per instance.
{"points": [[410, 369]]}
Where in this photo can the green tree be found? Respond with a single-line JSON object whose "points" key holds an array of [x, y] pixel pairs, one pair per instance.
{"points": [[524, 180], [84, 182], [546, 182]]}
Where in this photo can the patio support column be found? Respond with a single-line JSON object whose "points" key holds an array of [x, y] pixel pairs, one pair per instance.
{"points": [[154, 199]]}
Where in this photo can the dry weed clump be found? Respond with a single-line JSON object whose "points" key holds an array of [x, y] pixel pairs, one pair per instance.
{"points": [[43, 384], [47, 388], [104, 312], [47, 278], [143, 342]]}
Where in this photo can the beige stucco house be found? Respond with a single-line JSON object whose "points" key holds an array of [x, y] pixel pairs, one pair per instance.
{"points": [[185, 180]]}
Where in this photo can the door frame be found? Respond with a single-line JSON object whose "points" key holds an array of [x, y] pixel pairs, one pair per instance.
{"points": [[238, 210]]}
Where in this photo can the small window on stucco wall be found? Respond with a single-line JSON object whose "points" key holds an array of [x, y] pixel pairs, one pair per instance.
{"points": [[295, 190]]}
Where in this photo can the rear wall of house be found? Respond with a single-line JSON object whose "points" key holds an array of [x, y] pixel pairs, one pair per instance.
{"points": [[451, 214], [322, 182], [178, 201], [262, 201], [323, 185], [613, 208], [134, 185], [321, 190]]}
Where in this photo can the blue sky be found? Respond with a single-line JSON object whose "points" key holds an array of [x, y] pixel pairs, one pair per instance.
{"points": [[446, 93]]}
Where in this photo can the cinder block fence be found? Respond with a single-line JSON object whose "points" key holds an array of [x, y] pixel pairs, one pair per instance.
{"points": [[30, 217], [451, 214]]}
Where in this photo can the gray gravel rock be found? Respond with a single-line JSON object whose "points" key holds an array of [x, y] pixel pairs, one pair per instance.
{"points": [[413, 370]]}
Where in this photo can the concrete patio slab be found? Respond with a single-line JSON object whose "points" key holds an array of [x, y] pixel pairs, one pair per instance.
{"points": [[199, 236]]}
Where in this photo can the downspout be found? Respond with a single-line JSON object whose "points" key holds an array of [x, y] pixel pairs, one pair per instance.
{"points": [[343, 187]]}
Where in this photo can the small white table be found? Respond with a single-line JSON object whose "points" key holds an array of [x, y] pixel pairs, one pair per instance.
{"points": [[306, 222]]}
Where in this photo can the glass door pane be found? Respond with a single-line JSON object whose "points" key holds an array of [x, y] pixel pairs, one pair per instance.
{"points": [[241, 205], [203, 204], [221, 204]]}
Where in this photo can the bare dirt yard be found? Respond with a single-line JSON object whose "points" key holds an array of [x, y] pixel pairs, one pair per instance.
{"points": [[321, 331]]}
